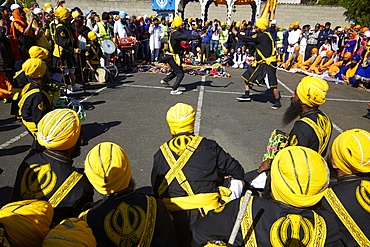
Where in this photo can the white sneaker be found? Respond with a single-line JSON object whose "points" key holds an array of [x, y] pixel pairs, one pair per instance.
{"points": [[164, 83], [68, 92], [175, 92], [75, 88]]}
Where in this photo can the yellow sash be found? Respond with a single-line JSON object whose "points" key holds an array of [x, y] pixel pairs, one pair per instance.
{"points": [[176, 57], [320, 132], [346, 218], [65, 188], [270, 59], [151, 215]]}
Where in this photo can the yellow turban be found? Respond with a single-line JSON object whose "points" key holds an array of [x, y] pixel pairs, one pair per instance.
{"points": [[75, 14], [26, 222], [296, 23], [347, 55], [177, 21], [38, 52], [181, 118], [312, 91], [70, 232], [59, 129], [262, 23], [291, 26], [34, 68], [92, 35], [48, 6], [108, 168], [351, 151], [237, 24], [62, 13], [299, 176], [26, 10], [223, 24]]}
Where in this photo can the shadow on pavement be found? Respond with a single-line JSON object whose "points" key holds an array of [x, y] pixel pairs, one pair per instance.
{"points": [[89, 106], [5, 193], [92, 130], [10, 127], [7, 121], [14, 150]]}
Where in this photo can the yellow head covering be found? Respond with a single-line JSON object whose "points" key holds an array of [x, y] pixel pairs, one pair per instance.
{"points": [[26, 10], [347, 55], [70, 232], [312, 91], [237, 24], [59, 129], [177, 21], [62, 13], [351, 151], [92, 35], [75, 14], [108, 168], [299, 176], [181, 118], [38, 52], [291, 26], [223, 24], [34, 68], [26, 222], [262, 23], [296, 23], [48, 6]]}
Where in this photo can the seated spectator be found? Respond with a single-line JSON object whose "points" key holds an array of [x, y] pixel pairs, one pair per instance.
{"points": [[312, 61], [299, 179], [348, 200], [363, 72], [281, 57], [225, 60], [336, 67], [25, 223], [70, 232], [46, 174], [325, 63], [238, 60], [295, 60], [348, 72], [325, 48], [123, 217], [249, 60]]}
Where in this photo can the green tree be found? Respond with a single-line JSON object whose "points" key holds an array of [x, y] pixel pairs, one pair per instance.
{"points": [[357, 11]]}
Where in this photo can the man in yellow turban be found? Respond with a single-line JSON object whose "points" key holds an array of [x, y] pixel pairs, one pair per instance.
{"points": [[25, 223], [49, 175], [349, 159], [187, 170], [64, 47], [178, 43], [35, 101], [299, 180], [123, 217], [265, 71]]}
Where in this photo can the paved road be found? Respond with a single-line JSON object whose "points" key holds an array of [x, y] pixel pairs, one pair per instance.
{"points": [[131, 112]]}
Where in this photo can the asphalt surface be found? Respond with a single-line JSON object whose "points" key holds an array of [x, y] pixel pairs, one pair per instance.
{"points": [[131, 112]]}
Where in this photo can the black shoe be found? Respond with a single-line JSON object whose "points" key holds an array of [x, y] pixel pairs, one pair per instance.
{"points": [[276, 106], [366, 116], [244, 97]]}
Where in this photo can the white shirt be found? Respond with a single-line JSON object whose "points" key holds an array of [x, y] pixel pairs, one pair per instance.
{"points": [[119, 29], [293, 38], [155, 37]]}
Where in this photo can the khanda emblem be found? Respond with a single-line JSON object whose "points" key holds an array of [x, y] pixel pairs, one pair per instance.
{"points": [[362, 195], [292, 230], [37, 181], [125, 225], [162, 3]]}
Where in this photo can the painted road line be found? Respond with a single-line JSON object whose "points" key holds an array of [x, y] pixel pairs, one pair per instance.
{"points": [[198, 115]]}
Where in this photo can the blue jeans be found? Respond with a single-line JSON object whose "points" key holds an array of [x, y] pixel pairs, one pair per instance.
{"points": [[213, 46]]}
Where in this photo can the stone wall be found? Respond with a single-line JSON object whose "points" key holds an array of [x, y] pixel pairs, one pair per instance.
{"points": [[285, 13]]}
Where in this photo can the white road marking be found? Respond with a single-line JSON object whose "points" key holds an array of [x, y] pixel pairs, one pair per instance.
{"points": [[198, 114], [21, 135]]}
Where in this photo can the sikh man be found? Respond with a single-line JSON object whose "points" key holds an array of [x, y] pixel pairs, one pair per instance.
{"points": [[177, 44], [187, 171], [299, 179], [313, 128], [266, 62], [103, 32], [49, 174], [25, 223], [123, 217], [348, 200], [64, 50], [294, 60], [35, 101]]}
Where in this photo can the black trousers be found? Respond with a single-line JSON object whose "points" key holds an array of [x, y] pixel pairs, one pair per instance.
{"points": [[177, 71], [205, 49]]}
